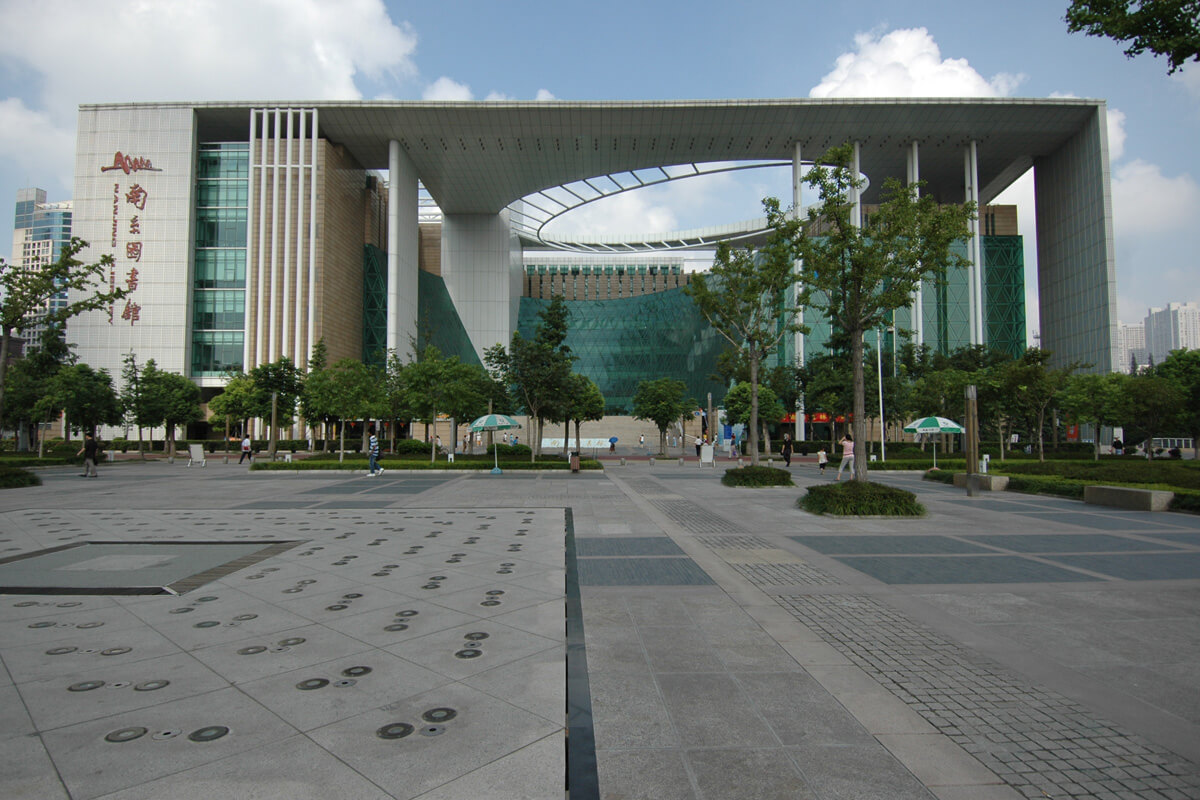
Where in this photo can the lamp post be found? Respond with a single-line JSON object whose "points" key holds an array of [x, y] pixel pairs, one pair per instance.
{"points": [[879, 375]]}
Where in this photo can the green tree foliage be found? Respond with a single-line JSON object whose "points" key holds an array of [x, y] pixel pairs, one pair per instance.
{"points": [[1152, 403], [662, 402], [1168, 28], [585, 403], [739, 403], [747, 298], [174, 397], [1031, 387], [348, 390], [240, 400], [1183, 367], [318, 360], [1094, 399], [859, 275], [437, 385], [24, 296], [28, 379], [85, 395]]}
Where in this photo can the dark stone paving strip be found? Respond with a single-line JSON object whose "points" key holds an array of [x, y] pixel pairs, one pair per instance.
{"points": [[735, 542], [784, 575], [627, 546], [1039, 742], [693, 518], [656, 571]]}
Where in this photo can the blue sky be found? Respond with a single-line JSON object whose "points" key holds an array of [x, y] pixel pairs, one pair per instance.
{"points": [[56, 54]]}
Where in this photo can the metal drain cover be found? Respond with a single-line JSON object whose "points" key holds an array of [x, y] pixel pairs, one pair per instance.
{"points": [[125, 735], [208, 734], [439, 715], [395, 730]]}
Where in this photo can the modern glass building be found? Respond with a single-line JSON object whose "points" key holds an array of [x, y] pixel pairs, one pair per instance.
{"points": [[246, 232], [40, 230]]}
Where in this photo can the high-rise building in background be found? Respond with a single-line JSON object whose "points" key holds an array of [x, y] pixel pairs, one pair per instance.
{"points": [[1131, 345], [1176, 327], [40, 230]]}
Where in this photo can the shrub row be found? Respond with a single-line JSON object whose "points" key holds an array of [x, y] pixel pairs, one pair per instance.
{"points": [[1183, 474], [757, 476], [15, 477], [860, 498], [418, 464]]}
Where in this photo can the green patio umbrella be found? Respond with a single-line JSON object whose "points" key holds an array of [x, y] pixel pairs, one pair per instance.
{"points": [[934, 425], [494, 422]]}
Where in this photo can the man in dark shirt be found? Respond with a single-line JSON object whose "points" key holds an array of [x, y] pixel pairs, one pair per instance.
{"points": [[88, 451]]}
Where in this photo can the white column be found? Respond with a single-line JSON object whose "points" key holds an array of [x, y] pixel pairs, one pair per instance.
{"points": [[273, 283], [856, 212], [250, 233], [284, 305], [260, 342], [797, 204], [974, 246], [300, 348], [312, 230], [918, 314], [402, 248]]}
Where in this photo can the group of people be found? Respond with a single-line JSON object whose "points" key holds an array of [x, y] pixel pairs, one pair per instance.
{"points": [[846, 443]]}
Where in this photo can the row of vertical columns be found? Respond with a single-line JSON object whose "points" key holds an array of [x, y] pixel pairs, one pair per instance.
{"points": [[283, 148], [402, 249]]}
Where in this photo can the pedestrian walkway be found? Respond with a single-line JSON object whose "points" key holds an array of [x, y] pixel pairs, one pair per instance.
{"points": [[1005, 646]]}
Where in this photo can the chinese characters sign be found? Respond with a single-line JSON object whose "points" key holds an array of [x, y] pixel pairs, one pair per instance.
{"points": [[129, 201]]}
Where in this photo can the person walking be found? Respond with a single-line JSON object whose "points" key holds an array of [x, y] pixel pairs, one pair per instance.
{"points": [[847, 443], [699, 442], [822, 459], [246, 454], [373, 453], [88, 451], [785, 450]]}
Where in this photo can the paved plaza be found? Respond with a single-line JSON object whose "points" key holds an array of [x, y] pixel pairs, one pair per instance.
{"points": [[214, 632]]}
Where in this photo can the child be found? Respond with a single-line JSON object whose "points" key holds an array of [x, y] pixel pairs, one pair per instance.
{"points": [[822, 459]]}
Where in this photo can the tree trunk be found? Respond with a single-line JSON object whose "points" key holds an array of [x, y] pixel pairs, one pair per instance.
{"points": [[342, 441], [859, 424], [5, 338], [1041, 423], [432, 439], [578, 447]]}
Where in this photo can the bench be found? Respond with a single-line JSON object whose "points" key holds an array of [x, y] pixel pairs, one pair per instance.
{"points": [[196, 455], [1128, 497]]}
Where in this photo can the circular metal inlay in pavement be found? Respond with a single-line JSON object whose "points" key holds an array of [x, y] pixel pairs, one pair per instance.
{"points": [[312, 683], [150, 686], [85, 686], [208, 734], [394, 730], [252, 650], [468, 654], [476, 636], [356, 672], [292, 641], [125, 735], [116, 651], [439, 715], [60, 651]]}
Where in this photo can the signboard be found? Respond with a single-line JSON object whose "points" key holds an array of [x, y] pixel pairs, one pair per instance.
{"points": [[130, 199]]}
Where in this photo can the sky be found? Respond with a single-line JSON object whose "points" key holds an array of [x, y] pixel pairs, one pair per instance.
{"points": [[57, 54]]}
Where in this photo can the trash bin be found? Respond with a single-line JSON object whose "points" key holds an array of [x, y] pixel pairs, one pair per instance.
{"points": [[575, 462]]}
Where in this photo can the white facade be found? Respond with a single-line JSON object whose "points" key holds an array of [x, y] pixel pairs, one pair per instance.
{"points": [[134, 171], [1176, 327], [1131, 345]]}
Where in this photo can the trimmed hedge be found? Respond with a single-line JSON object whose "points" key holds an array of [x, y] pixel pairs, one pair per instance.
{"points": [[860, 498], [409, 464], [939, 475], [15, 478], [1183, 474], [510, 450], [1186, 501], [757, 477]]}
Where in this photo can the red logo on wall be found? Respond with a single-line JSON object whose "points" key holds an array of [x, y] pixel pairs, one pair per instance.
{"points": [[128, 164]]}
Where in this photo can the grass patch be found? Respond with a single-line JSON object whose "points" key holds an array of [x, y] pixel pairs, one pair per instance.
{"points": [[15, 478], [939, 475], [757, 477], [860, 498]]}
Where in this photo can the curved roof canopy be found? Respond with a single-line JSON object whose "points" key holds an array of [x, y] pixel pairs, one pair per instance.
{"points": [[478, 157]]}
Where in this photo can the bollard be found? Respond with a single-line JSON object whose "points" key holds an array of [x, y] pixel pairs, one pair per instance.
{"points": [[622, 461], [770, 463], [652, 461], [681, 461], [740, 463]]}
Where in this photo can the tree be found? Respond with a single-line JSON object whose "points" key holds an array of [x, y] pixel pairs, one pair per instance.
{"points": [[239, 400], [538, 374], [347, 390], [27, 382], [1094, 399], [85, 395], [1168, 28], [282, 379], [1151, 403], [439, 385], [174, 399], [1031, 387], [746, 298], [1183, 367], [585, 403], [662, 402], [318, 360], [739, 402], [25, 294], [858, 275]]}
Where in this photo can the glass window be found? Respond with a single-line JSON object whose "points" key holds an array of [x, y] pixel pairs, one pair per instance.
{"points": [[221, 269], [220, 310], [222, 193], [216, 352], [220, 227]]}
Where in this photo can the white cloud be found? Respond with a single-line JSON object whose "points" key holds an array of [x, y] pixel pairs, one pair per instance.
{"points": [[544, 94], [447, 89], [1146, 202], [32, 139], [907, 63], [229, 49], [493, 97], [1189, 79]]}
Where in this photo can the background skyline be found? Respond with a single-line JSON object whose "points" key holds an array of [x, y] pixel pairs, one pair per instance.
{"points": [[61, 53]]}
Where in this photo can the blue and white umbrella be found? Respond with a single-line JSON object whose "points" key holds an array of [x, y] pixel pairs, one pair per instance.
{"points": [[494, 422]]}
